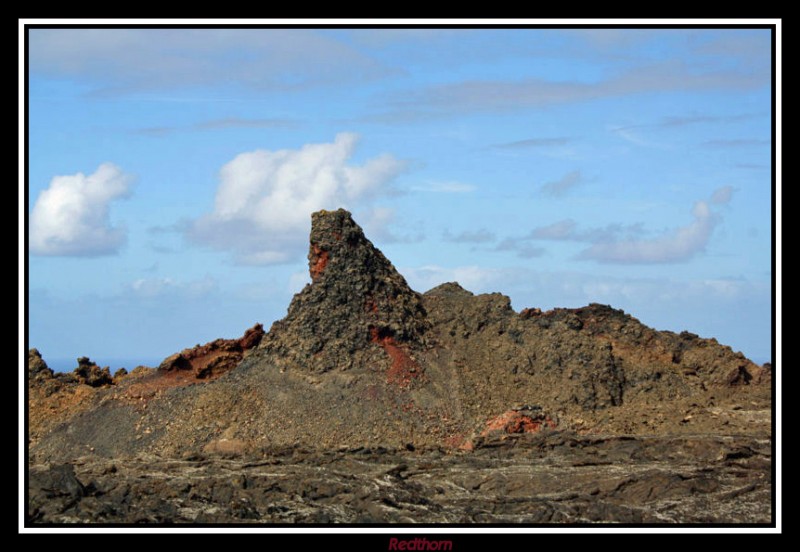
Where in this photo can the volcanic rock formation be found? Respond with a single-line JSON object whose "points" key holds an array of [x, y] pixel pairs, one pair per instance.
{"points": [[361, 359], [356, 299], [213, 359]]}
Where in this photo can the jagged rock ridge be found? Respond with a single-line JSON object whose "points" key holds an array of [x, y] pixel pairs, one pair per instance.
{"points": [[362, 359]]}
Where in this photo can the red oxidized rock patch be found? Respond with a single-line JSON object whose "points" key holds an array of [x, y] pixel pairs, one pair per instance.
{"points": [[370, 305], [319, 261], [404, 369], [213, 359], [529, 313], [518, 421]]}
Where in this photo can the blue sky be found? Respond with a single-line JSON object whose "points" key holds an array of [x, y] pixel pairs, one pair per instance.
{"points": [[173, 171]]}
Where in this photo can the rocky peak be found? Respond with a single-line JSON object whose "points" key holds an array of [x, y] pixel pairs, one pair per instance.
{"points": [[89, 373], [356, 299], [37, 367]]}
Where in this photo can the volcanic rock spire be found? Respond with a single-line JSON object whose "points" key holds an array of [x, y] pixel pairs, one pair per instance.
{"points": [[356, 299]]}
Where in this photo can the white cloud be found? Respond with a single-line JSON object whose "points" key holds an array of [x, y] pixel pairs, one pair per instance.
{"points": [[264, 202], [445, 187], [71, 217], [680, 244]]}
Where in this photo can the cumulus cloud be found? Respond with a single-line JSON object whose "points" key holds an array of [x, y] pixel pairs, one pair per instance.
{"points": [[71, 217], [265, 198]]}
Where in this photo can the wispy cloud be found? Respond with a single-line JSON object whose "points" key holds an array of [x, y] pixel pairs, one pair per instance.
{"points": [[559, 188], [71, 217], [679, 121], [481, 235], [678, 245], [120, 61], [749, 50], [239, 122], [155, 131], [450, 187], [218, 124], [498, 95], [629, 244], [532, 143], [561, 230], [736, 142], [522, 247], [567, 230], [151, 288], [632, 133], [722, 196]]}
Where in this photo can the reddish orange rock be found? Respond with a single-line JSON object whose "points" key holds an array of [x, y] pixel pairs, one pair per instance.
{"points": [[215, 358], [518, 421], [319, 261]]}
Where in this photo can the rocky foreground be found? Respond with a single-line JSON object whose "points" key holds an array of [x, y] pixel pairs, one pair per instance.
{"points": [[370, 402], [549, 477]]}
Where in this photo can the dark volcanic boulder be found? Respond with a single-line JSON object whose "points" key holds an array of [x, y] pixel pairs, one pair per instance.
{"points": [[91, 374], [37, 367]]}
